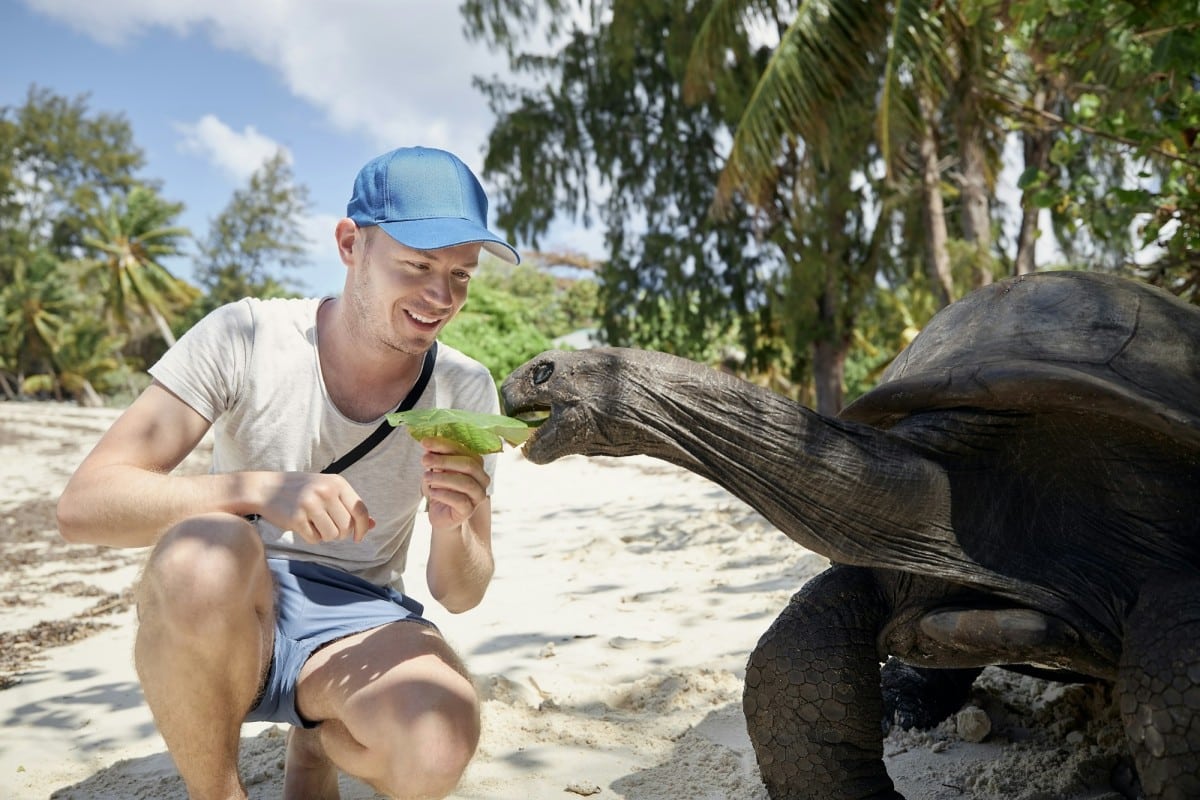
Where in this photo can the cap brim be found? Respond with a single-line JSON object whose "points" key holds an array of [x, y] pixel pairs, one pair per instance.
{"points": [[439, 232]]}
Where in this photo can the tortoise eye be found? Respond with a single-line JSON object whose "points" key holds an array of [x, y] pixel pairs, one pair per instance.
{"points": [[543, 372]]}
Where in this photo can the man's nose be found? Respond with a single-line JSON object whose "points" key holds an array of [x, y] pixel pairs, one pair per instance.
{"points": [[439, 289]]}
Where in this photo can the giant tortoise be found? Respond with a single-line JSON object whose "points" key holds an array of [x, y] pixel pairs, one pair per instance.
{"points": [[1021, 488]]}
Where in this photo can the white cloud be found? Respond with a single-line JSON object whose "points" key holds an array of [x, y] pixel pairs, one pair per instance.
{"points": [[395, 71], [237, 154]]}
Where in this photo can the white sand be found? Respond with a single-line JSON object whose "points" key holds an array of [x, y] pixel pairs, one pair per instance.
{"points": [[610, 649]]}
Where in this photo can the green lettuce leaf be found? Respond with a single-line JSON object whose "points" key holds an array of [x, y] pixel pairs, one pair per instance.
{"points": [[478, 433]]}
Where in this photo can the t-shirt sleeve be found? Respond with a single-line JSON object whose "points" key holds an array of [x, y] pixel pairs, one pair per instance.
{"points": [[207, 366]]}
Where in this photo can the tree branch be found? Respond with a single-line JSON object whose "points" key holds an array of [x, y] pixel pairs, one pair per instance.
{"points": [[1030, 111]]}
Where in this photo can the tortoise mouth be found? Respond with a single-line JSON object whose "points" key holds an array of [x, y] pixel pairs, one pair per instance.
{"points": [[534, 417]]}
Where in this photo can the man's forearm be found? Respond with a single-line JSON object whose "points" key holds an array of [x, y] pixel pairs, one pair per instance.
{"points": [[460, 565], [126, 506]]}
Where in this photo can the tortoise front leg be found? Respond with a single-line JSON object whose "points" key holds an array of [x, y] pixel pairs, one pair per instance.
{"points": [[812, 699], [1158, 687]]}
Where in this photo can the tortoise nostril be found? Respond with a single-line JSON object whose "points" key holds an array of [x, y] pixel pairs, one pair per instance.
{"points": [[543, 373]]}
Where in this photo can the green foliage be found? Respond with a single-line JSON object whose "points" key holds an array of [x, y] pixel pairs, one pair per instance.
{"points": [[257, 233], [131, 237], [1125, 155], [561, 305], [475, 432], [647, 116], [81, 238], [607, 108], [35, 303], [888, 322], [59, 161], [497, 329], [88, 364], [789, 140]]}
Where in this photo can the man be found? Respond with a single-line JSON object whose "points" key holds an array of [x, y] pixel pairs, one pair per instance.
{"points": [[273, 590]]}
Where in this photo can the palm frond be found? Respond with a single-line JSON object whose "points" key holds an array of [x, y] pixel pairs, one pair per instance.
{"points": [[724, 24], [824, 60]]}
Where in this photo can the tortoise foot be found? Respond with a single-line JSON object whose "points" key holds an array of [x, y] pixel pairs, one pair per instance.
{"points": [[914, 697], [1158, 687]]}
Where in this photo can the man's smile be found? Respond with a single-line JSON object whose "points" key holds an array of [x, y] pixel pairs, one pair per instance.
{"points": [[421, 319]]}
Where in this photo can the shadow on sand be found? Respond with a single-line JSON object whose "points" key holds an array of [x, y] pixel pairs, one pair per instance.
{"points": [[154, 777]]}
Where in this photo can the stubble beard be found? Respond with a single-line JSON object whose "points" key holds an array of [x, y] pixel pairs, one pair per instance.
{"points": [[371, 325]]}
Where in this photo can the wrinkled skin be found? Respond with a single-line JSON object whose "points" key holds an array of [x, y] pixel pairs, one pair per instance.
{"points": [[1021, 489]]}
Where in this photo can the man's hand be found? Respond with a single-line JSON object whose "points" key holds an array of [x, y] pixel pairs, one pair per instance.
{"points": [[316, 507], [454, 483]]}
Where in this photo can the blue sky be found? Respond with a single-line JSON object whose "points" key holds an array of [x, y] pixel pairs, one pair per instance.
{"points": [[212, 87]]}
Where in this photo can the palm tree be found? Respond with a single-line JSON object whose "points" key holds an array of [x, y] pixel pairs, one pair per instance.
{"points": [[926, 77], [33, 305], [133, 235], [85, 362], [803, 178], [912, 62]]}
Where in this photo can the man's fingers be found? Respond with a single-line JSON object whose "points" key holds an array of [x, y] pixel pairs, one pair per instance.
{"points": [[470, 466], [324, 527], [331, 511], [318, 508], [359, 518], [444, 481]]}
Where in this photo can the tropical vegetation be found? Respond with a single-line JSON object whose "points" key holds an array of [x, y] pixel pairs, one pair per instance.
{"points": [[802, 183], [97, 276], [787, 189]]}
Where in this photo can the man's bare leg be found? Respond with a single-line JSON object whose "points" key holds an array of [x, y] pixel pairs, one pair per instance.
{"points": [[396, 709], [309, 773], [206, 610]]}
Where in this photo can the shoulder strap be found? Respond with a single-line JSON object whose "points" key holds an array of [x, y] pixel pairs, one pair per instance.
{"points": [[385, 427]]}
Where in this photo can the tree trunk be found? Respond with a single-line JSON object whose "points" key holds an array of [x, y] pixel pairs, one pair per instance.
{"points": [[973, 179], [1037, 142], [89, 397], [976, 203], [163, 328], [829, 372], [933, 216]]}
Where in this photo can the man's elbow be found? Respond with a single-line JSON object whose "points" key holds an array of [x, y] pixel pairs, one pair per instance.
{"points": [[76, 513], [460, 604], [460, 600], [462, 597], [71, 524]]}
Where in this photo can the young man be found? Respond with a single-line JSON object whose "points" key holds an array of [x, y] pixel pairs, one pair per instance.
{"points": [[273, 590]]}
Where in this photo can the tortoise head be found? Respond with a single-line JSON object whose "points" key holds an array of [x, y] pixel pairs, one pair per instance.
{"points": [[601, 401], [561, 391]]}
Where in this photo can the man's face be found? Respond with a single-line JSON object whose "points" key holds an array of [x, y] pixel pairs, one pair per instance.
{"points": [[405, 296]]}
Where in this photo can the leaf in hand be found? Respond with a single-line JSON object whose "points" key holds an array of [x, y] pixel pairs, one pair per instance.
{"points": [[478, 433]]}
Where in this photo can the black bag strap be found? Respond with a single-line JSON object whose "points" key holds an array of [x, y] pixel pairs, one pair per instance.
{"points": [[385, 427]]}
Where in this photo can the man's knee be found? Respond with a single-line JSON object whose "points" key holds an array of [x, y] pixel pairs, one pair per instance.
{"points": [[442, 734], [201, 569]]}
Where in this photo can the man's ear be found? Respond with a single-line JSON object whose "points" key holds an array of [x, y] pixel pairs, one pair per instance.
{"points": [[346, 234]]}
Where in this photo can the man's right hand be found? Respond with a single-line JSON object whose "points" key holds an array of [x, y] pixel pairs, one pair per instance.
{"points": [[314, 506]]}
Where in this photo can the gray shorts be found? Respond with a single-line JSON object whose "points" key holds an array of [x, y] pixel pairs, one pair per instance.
{"points": [[316, 605]]}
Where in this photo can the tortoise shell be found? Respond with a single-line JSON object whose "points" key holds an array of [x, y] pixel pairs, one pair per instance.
{"points": [[1082, 342]]}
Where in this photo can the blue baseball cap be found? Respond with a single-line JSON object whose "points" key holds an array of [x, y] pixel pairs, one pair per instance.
{"points": [[425, 199]]}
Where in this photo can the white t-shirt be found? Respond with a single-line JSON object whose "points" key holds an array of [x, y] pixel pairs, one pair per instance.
{"points": [[252, 369]]}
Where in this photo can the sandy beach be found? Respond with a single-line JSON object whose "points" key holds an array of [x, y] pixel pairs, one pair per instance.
{"points": [[609, 651]]}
